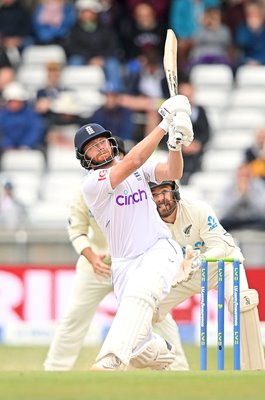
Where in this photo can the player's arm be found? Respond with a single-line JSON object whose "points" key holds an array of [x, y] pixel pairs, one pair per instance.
{"points": [[140, 153], [78, 226], [211, 231]]}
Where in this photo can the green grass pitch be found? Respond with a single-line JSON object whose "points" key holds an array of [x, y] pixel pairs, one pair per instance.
{"points": [[22, 378]]}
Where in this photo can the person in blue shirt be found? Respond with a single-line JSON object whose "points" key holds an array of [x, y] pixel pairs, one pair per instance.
{"points": [[119, 119], [250, 35], [52, 20], [21, 126]]}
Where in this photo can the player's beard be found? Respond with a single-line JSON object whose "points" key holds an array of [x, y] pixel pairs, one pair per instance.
{"points": [[108, 157], [166, 207]]}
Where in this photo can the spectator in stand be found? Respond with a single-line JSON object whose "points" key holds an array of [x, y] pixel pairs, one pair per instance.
{"points": [[13, 213], [64, 119], [119, 119], [145, 88], [52, 21], [15, 28], [255, 154], [250, 36], [193, 154], [160, 7], [143, 32], [213, 42], [91, 43], [20, 125], [233, 12], [7, 73], [243, 202], [52, 89], [184, 19]]}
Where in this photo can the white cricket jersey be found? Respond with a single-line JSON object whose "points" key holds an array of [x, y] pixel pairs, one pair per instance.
{"points": [[196, 224], [127, 215]]}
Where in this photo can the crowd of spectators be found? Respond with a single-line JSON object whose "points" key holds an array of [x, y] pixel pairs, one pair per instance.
{"points": [[126, 40]]}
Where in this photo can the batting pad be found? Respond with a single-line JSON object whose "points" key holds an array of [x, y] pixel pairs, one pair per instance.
{"points": [[251, 348], [130, 326], [155, 353]]}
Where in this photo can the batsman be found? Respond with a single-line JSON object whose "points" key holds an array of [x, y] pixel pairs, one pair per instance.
{"points": [[195, 226]]}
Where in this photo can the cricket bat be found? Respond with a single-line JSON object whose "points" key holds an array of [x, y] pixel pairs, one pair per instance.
{"points": [[170, 65]]}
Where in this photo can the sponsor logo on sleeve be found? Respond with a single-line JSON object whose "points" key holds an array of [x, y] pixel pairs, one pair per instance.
{"points": [[102, 175], [212, 223], [137, 176]]}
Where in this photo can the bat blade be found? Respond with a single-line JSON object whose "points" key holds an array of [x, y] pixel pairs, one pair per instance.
{"points": [[170, 62], [170, 66]]}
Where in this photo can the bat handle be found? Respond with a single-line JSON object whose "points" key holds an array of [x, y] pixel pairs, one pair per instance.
{"points": [[179, 135]]}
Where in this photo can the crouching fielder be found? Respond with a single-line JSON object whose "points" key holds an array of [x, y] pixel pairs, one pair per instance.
{"points": [[194, 223], [145, 259]]}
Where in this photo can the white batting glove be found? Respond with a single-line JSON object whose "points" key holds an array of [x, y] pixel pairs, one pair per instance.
{"points": [[170, 107], [180, 132], [174, 138]]}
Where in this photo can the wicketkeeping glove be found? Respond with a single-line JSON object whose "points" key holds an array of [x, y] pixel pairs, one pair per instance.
{"points": [[170, 107], [180, 132], [190, 264]]}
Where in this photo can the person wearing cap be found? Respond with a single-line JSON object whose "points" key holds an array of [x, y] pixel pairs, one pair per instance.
{"points": [[20, 125], [92, 43], [91, 284], [194, 224], [145, 259]]}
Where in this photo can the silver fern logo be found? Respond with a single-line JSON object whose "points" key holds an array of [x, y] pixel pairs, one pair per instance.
{"points": [[187, 230]]}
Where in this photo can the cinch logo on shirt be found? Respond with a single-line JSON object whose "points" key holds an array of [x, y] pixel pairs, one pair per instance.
{"points": [[127, 200], [102, 175]]}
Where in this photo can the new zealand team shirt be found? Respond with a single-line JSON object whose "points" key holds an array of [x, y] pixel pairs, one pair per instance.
{"points": [[127, 215], [196, 224]]}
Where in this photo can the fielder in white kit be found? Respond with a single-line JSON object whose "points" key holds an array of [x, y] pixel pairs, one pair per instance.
{"points": [[91, 284], [145, 259], [194, 223]]}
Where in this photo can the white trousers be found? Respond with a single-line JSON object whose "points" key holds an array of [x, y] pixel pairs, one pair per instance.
{"points": [[140, 284], [87, 292]]}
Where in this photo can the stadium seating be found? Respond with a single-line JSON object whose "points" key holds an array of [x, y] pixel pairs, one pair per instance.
{"points": [[222, 160], [250, 98], [250, 76], [23, 160], [41, 55], [32, 77], [83, 77], [212, 76]]}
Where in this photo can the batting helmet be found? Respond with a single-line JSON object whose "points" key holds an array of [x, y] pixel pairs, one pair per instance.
{"points": [[87, 133], [121, 144], [173, 184]]}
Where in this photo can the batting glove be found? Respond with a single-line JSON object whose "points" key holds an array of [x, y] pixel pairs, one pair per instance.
{"points": [[170, 107], [180, 132]]}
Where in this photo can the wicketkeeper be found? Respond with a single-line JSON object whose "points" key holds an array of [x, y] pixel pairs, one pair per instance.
{"points": [[194, 225]]}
